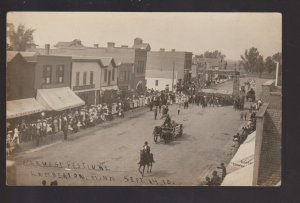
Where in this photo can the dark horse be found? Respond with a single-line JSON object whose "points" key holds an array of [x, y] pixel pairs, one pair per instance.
{"points": [[163, 133], [146, 159]]}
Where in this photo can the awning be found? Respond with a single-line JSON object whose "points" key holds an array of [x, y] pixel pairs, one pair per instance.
{"points": [[58, 99], [240, 177], [245, 154], [22, 107], [214, 91]]}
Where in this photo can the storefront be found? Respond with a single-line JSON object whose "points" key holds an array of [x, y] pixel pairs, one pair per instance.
{"points": [[89, 97], [58, 99]]}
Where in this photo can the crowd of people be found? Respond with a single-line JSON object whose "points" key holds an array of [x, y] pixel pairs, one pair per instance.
{"points": [[238, 139], [37, 127]]}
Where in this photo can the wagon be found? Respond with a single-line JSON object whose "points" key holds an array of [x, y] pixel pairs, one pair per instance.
{"points": [[167, 133]]}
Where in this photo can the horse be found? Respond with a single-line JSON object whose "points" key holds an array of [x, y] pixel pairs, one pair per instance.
{"points": [[146, 160]]}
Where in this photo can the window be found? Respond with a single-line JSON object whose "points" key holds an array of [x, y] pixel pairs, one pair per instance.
{"points": [[84, 78], [113, 74], [77, 78], [91, 77], [60, 73], [47, 71], [156, 82], [128, 78], [105, 75]]}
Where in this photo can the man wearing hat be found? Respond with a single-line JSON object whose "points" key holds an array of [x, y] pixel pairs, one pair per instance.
{"points": [[38, 131], [146, 148]]}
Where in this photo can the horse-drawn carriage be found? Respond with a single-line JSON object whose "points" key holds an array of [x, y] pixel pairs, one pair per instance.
{"points": [[167, 133]]}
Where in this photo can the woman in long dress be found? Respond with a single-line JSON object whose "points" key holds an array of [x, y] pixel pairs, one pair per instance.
{"points": [[55, 125]]}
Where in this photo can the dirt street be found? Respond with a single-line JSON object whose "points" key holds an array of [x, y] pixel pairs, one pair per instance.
{"points": [[110, 155]]}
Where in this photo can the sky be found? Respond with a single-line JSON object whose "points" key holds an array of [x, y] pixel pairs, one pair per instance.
{"points": [[230, 33]]}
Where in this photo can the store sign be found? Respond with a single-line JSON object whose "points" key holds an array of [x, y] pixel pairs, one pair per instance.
{"points": [[84, 87]]}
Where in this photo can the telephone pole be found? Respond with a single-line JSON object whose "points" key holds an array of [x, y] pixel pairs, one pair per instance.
{"points": [[173, 76]]}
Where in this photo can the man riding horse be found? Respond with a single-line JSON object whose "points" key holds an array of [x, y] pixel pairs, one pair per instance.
{"points": [[146, 158]]}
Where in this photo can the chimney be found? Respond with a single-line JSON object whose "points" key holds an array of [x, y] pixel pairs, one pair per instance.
{"points": [[138, 41], [162, 49], [173, 50], [110, 44], [47, 49], [96, 45], [124, 46]]}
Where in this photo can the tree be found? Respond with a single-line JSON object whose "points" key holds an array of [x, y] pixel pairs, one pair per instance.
{"points": [[251, 60], [20, 38], [260, 66], [277, 57], [214, 54], [270, 65]]}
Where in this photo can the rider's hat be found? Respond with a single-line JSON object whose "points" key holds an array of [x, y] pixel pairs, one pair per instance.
{"points": [[146, 142]]}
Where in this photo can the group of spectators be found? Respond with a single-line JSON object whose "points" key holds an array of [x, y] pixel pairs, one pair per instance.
{"points": [[215, 179], [37, 127], [238, 139]]}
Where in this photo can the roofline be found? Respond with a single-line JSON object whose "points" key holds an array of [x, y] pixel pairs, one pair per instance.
{"points": [[187, 52]]}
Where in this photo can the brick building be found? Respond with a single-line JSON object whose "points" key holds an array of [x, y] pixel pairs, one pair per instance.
{"points": [[125, 74], [267, 159], [163, 60]]}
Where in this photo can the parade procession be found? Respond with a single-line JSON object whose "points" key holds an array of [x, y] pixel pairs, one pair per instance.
{"points": [[79, 113]]}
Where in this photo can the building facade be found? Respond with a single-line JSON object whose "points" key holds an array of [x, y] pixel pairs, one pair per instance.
{"points": [[85, 79], [163, 60], [52, 71], [123, 54], [161, 80], [19, 77], [125, 75], [268, 143]]}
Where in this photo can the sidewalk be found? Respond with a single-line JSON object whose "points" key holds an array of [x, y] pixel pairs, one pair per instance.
{"points": [[58, 137]]}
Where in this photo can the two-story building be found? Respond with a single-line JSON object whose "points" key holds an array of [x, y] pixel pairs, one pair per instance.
{"points": [[20, 93], [92, 77], [41, 80], [124, 54], [52, 82], [85, 79]]}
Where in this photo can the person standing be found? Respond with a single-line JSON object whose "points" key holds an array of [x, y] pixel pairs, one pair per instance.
{"points": [[65, 127], [38, 132], [242, 115], [215, 180], [245, 115], [155, 113], [223, 168]]}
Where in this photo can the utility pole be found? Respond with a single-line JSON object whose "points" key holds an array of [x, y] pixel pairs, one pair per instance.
{"points": [[173, 76]]}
